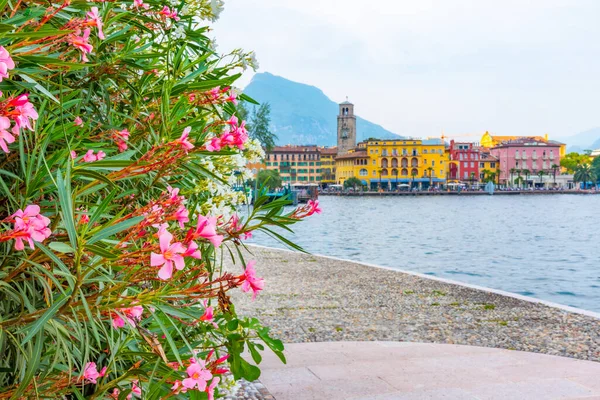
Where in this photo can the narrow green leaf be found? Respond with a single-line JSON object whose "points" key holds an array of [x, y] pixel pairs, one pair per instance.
{"points": [[39, 323], [66, 205], [112, 230]]}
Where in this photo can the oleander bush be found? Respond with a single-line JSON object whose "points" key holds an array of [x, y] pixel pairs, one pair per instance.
{"points": [[120, 154]]}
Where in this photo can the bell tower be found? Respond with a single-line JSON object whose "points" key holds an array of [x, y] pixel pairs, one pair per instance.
{"points": [[346, 128]]}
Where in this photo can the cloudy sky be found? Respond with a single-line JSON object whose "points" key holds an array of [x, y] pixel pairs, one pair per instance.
{"points": [[418, 67]]}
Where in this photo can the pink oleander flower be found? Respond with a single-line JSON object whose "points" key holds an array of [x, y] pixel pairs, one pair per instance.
{"points": [[31, 226], [232, 97], [210, 390], [73, 154], [197, 376], [174, 194], [78, 121], [135, 389], [6, 63], [140, 4], [192, 251], [183, 140], [5, 136], [82, 44], [178, 387], [91, 374], [124, 134], [93, 19], [121, 145], [23, 113], [251, 281], [181, 216], [85, 218], [91, 157], [207, 229], [169, 254], [130, 315], [314, 207], [169, 13]]}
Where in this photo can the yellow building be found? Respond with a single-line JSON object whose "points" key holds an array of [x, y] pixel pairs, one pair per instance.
{"points": [[488, 167], [391, 163], [488, 141], [328, 155]]}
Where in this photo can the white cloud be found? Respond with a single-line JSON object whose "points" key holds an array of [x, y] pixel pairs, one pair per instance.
{"points": [[417, 67]]}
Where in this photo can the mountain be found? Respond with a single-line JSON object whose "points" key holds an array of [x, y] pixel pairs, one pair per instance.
{"points": [[302, 114], [588, 140]]}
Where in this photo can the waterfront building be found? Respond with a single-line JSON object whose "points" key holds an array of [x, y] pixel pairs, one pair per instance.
{"points": [[465, 157], [328, 155], [488, 141], [296, 164], [488, 167], [388, 163], [524, 158]]}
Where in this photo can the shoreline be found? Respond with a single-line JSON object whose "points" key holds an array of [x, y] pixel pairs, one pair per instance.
{"points": [[463, 193], [311, 298], [535, 300]]}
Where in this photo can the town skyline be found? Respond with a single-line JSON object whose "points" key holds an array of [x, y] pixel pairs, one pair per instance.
{"points": [[517, 69]]}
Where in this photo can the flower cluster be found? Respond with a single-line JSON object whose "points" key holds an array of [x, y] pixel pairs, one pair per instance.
{"points": [[235, 135], [216, 95], [29, 225], [18, 110]]}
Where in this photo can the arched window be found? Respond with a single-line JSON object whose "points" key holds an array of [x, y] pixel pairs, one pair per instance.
{"points": [[384, 163], [384, 172], [414, 172], [394, 163], [394, 172], [363, 172], [404, 172], [404, 163], [414, 162]]}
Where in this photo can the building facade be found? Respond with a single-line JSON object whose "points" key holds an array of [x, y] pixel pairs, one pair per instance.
{"points": [[328, 155], [525, 158], [489, 141], [387, 164], [465, 159], [296, 164]]}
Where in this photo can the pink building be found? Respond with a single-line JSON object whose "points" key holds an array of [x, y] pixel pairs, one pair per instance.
{"points": [[526, 158]]}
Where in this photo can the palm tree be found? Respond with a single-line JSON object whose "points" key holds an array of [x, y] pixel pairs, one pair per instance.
{"points": [[584, 174], [486, 173], [498, 172], [492, 177], [397, 187], [554, 169], [541, 174], [512, 172], [430, 169], [413, 174], [527, 173], [379, 183], [518, 171]]}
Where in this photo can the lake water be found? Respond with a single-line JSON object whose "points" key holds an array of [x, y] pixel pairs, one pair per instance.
{"points": [[541, 246]]}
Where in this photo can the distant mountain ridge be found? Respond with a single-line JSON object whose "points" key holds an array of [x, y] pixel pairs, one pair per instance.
{"points": [[587, 140], [303, 114]]}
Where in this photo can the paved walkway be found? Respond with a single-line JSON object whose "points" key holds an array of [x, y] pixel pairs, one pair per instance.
{"points": [[400, 370]]}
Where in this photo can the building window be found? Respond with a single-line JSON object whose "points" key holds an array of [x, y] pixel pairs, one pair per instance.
{"points": [[374, 173], [466, 174], [404, 172], [433, 163], [460, 156], [472, 164], [481, 165], [493, 165], [441, 172], [363, 172], [466, 164], [374, 162]]}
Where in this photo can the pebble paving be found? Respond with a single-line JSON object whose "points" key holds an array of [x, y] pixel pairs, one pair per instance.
{"points": [[317, 299]]}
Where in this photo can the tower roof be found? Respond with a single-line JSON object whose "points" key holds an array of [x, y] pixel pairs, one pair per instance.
{"points": [[346, 102]]}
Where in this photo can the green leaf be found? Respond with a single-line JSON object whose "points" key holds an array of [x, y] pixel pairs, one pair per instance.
{"points": [[39, 323], [61, 247], [32, 365], [94, 175], [112, 230], [66, 205], [100, 251]]}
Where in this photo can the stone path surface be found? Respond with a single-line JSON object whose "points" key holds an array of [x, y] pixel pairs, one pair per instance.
{"points": [[411, 371], [318, 299]]}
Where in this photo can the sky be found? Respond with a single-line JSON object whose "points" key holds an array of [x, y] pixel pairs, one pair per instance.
{"points": [[420, 68]]}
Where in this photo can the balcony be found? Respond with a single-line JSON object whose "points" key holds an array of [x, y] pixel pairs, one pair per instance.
{"points": [[524, 157], [534, 157], [552, 156], [517, 156]]}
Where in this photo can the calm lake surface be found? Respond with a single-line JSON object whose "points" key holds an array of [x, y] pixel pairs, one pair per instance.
{"points": [[541, 246]]}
